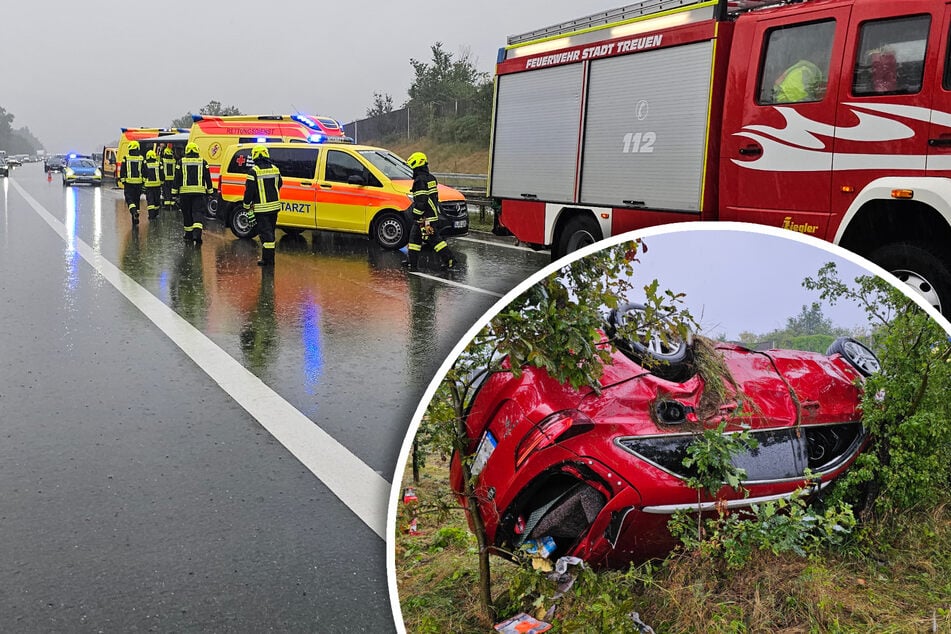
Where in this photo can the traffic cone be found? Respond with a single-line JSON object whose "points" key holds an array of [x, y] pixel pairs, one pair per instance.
{"points": [[49, 177]]}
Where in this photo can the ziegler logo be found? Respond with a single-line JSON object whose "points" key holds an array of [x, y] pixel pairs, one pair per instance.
{"points": [[801, 228]]}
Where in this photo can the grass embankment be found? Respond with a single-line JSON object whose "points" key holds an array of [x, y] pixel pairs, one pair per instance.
{"points": [[451, 158], [901, 584]]}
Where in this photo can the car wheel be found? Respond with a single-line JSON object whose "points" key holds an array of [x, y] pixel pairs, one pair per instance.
{"points": [[858, 356], [239, 223], [918, 266], [212, 205], [659, 347], [390, 230], [580, 231]]}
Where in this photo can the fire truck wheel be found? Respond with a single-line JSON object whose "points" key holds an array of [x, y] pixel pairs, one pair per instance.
{"points": [[390, 231], [239, 224], [920, 267], [580, 231]]}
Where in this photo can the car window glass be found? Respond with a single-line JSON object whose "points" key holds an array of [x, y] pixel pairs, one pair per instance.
{"points": [[795, 68], [342, 165], [295, 162], [391, 165], [239, 162], [81, 163], [891, 56]]}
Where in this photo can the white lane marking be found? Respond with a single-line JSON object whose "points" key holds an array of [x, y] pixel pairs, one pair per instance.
{"points": [[349, 478], [495, 244], [459, 284]]}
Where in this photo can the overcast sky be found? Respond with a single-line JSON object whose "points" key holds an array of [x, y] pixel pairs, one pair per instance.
{"points": [[738, 281], [76, 72]]}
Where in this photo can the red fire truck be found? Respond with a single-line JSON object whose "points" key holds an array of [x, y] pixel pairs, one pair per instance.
{"points": [[827, 117]]}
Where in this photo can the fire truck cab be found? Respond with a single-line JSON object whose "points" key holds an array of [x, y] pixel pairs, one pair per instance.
{"points": [[827, 117]]}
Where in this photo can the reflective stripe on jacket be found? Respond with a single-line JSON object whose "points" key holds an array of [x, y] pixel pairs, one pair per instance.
{"points": [[151, 173], [131, 171]]}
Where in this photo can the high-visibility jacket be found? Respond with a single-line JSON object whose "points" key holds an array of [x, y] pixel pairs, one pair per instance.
{"points": [[151, 173], [192, 176], [262, 188], [131, 170], [800, 82], [168, 167], [425, 195]]}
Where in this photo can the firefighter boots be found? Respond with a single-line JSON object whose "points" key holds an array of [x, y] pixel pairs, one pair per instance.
{"points": [[267, 257]]}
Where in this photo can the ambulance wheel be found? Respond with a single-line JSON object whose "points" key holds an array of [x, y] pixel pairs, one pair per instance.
{"points": [[212, 204], [239, 224], [918, 266], [579, 231], [390, 231]]}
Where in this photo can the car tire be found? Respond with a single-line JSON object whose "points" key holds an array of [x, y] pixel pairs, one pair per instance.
{"points": [[665, 359], [212, 205], [390, 230], [858, 356], [579, 231], [919, 266], [239, 224]]}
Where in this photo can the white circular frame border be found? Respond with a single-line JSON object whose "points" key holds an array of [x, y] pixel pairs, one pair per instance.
{"points": [[397, 479]]}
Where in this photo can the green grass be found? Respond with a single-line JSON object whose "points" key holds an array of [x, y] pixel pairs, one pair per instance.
{"points": [[897, 580]]}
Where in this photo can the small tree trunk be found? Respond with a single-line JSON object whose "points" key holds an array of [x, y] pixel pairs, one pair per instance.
{"points": [[415, 462]]}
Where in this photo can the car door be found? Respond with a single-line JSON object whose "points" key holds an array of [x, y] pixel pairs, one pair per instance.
{"points": [[342, 197], [778, 142], [298, 167]]}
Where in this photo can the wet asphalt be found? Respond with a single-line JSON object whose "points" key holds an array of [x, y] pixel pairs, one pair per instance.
{"points": [[136, 494]]}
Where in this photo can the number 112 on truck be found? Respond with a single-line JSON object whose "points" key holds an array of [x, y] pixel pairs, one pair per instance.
{"points": [[827, 117]]}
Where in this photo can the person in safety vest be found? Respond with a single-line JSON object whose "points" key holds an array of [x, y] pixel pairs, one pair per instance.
{"points": [[152, 175], [803, 81], [423, 231], [192, 184], [130, 175], [168, 177], [262, 199]]}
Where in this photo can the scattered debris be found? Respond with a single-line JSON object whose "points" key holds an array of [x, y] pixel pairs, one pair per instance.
{"points": [[641, 626], [409, 495], [522, 623], [540, 547]]}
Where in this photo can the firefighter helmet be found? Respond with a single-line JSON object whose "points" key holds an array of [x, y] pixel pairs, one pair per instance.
{"points": [[151, 154], [133, 146], [258, 151], [191, 148], [417, 159]]}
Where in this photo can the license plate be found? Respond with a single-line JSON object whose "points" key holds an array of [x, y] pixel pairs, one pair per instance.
{"points": [[461, 223], [486, 447]]}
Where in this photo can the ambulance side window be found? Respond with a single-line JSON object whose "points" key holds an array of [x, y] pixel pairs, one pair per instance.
{"points": [[239, 162], [891, 56], [342, 165], [795, 68], [295, 162]]}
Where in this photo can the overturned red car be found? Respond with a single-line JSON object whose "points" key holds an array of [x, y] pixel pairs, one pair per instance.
{"points": [[600, 475]]}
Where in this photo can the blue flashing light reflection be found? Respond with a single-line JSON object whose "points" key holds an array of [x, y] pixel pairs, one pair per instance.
{"points": [[316, 138], [310, 338]]}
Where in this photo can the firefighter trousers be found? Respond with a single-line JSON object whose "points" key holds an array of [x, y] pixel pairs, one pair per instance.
{"points": [[193, 208], [133, 197], [153, 198], [266, 223], [168, 201], [419, 239]]}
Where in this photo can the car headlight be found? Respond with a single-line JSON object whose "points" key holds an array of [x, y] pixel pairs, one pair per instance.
{"points": [[69, 171], [98, 173]]}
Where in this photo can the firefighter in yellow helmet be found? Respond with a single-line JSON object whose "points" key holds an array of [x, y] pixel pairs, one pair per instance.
{"points": [[168, 177], [130, 175], [192, 184], [152, 175], [424, 230], [262, 199]]}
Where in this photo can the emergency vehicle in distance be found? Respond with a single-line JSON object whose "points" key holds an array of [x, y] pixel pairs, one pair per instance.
{"points": [[671, 110], [144, 136]]}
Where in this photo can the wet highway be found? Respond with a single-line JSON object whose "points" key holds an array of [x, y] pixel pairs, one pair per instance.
{"points": [[189, 443]]}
